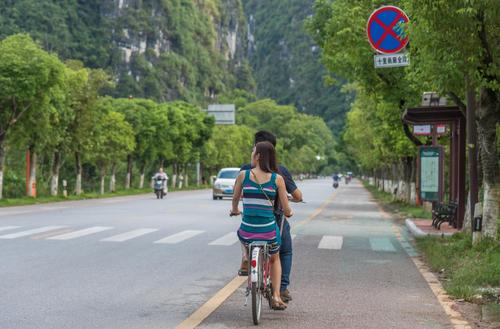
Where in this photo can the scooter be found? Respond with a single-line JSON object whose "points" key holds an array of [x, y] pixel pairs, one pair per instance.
{"points": [[159, 187]]}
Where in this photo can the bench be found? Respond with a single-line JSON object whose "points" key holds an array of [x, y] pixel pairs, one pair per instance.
{"points": [[444, 212]]}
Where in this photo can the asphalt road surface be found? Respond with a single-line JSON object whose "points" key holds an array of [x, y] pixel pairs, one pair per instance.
{"points": [[138, 262]]}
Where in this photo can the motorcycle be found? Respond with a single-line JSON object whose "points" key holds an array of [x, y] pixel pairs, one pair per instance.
{"points": [[159, 187], [335, 184]]}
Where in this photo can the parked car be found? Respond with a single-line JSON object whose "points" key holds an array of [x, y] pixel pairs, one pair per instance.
{"points": [[224, 183]]}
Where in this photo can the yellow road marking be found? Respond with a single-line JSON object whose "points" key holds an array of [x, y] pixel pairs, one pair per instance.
{"points": [[315, 213], [49, 234], [213, 303]]}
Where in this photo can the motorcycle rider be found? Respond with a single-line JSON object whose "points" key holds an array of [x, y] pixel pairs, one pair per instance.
{"points": [[161, 175]]}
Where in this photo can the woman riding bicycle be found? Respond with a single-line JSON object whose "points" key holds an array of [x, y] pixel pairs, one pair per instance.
{"points": [[261, 188]]}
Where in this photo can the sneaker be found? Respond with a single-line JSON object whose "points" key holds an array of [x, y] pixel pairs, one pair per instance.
{"points": [[243, 271], [285, 296]]}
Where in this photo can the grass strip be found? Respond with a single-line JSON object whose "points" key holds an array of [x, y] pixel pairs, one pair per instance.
{"points": [[400, 208], [25, 201]]}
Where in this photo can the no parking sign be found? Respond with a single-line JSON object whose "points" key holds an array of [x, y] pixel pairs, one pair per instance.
{"points": [[386, 30]]}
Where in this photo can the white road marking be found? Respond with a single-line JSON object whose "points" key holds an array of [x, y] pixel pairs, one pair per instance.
{"points": [[5, 228], [130, 235], [30, 232], [179, 237], [226, 240], [331, 242], [80, 233], [382, 244]]}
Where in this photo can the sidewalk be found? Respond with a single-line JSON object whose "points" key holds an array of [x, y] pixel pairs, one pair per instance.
{"points": [[423, 227], [366, 281]]}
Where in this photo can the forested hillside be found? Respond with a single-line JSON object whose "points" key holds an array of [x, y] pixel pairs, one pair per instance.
{"points": [[286, 61], [165, 50]]}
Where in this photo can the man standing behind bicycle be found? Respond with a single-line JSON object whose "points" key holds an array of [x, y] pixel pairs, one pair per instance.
{"points": [[286, 238]]}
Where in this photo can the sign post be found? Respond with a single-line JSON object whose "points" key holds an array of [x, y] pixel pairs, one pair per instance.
{"points": [[386, 30]]}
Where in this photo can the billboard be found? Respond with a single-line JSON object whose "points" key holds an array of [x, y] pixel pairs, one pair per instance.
{"points": [[224, 114]]}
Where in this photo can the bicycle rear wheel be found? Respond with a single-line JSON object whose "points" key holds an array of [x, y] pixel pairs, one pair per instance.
{"points": [[257, 292]]}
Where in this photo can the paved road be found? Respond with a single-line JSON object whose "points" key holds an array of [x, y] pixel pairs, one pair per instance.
{"points": [[350, 271], [131, 262], [138, 262]]}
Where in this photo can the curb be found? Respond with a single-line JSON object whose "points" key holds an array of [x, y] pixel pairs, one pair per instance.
{"points": [[417, 232]]}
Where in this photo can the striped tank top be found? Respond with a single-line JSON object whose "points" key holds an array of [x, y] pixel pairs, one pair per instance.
{"points": [[258, 223]]}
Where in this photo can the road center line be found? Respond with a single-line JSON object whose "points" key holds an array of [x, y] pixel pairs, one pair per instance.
{"points": [[212, 304]]}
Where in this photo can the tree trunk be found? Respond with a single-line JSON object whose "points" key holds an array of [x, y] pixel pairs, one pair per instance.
{"points": [[56, 166], [32, 179], [472, 157], [143, 169], [2, 161], [79, 170], [129, 172], [186, 176], [102, 175], [174, 175], [407, 178], [112, 181], [488, 116]]}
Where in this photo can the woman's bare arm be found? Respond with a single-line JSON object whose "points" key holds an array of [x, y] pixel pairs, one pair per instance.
{"points": [[283, 197], [237, 191]]}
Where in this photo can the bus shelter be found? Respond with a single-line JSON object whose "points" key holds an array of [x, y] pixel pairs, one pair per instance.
{"points": [[455, 118]]}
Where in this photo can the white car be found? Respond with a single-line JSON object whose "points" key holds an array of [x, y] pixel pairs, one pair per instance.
{"points": [[224, 183]]}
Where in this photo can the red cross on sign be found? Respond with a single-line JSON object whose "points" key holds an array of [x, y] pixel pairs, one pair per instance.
{"points": [[386, 29]]}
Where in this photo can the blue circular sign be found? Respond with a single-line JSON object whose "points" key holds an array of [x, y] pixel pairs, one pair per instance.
{"points": [[386, 29]]}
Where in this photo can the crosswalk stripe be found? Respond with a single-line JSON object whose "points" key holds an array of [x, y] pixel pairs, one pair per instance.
{"points": [[80, 233], [5, 228], [130, 235], [226, 240], [331, 242], [30, 232], [179, 237], [381, 244]]}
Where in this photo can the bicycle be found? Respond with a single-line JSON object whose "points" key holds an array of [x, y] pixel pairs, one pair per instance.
{"points": [[259, 280]]}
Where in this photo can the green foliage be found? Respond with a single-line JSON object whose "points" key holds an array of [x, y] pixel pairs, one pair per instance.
{"points": [[286, 62], [27, 77], [230, 146], [305, 143], [163, 49], [114, 135]]}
